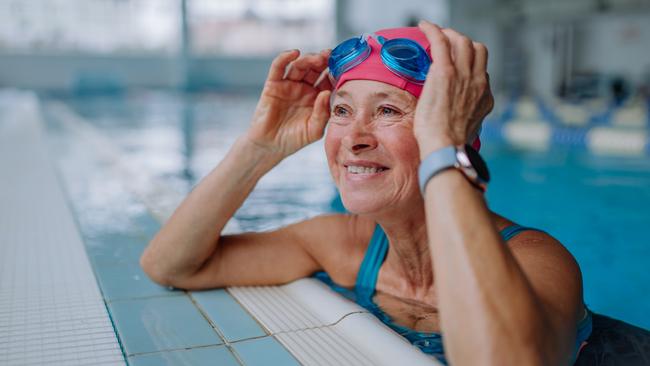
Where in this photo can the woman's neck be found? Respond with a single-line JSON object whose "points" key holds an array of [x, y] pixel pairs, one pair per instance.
{"points": [[408, 256]]}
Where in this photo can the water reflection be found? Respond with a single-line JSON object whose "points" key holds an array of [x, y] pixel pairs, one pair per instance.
{"points": [[416, 321], [188, 140], [178, 139], [408, 313]]}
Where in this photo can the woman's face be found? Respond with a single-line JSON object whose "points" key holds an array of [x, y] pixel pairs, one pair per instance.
{"points": [[371, 150]]}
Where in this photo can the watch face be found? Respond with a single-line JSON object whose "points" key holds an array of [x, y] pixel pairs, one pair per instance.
{"points": [[478, 163]]}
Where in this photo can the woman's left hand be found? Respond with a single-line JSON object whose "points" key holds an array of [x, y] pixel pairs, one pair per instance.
{"points": [[456, 94]]}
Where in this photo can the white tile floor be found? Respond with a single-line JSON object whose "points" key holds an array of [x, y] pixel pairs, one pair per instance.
{"points": [[51, 310]]}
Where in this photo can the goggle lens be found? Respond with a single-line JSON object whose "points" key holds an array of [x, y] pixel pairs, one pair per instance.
{"points": [[402, 56], [347, 55], [407, 59]]}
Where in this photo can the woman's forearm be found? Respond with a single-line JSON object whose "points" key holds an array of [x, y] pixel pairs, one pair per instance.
{"points": [[488, 310], [191, 234], [290, 114]]}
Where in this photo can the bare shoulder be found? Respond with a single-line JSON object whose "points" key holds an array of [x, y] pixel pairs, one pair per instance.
{"points": [[550, 268], [338, 243], [544, 246]]}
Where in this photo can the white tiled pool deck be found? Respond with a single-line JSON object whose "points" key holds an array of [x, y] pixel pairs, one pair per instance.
{"points": [[72, 293], [51, 310]]}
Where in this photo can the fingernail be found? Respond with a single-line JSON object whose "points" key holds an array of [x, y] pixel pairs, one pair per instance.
{"points": [[321, 77], [287, 70]]}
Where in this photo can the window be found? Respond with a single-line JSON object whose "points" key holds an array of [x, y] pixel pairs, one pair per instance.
{"points": [[260, 27], [90, 26], [217, 27]]}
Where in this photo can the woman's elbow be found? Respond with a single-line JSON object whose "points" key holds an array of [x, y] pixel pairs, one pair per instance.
{"points": [[152, 268], [166, 277]]}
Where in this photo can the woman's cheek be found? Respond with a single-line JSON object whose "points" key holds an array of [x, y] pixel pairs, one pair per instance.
{"points": [[404, 145]]}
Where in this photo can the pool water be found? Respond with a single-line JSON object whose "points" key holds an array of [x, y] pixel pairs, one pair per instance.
{"points": [[596, 206]]}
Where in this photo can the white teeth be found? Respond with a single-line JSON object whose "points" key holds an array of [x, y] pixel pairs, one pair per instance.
{"points": [[363, 170]]}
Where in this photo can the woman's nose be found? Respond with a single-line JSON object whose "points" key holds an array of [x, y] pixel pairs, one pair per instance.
{"points": [[360, 138]]}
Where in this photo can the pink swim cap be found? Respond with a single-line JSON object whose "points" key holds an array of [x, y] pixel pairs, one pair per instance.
{"points": [[372, 68]]}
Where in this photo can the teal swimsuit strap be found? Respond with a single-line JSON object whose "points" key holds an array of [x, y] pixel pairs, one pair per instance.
{"points": [[375, 256], [513, 230]]}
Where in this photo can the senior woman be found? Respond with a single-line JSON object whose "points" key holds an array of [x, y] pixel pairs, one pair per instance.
{"points": [[504, 295]]}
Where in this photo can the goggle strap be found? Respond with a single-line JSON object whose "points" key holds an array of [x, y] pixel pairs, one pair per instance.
{"points": [[380, 39]]}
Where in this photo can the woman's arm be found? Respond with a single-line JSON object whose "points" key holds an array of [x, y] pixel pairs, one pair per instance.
{"points": [[497, 306], [187, 251]]}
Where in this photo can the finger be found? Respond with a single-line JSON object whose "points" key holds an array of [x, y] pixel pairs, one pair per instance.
{"points": [[311, 76], [326, 53], [299, 68], [319, 115], [439, 44], [480, 58], [300, 71], [326, 84], [279, 64], [462, 51]]}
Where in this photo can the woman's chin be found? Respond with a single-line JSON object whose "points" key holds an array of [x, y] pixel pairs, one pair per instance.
{"points": [[362, 203]]}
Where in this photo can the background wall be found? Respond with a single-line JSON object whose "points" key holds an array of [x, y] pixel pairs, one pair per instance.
{"points": [[535, 47], [615, 44]]}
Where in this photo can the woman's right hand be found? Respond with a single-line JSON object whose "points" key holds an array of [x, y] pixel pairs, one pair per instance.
{"points": [[291, 112]]}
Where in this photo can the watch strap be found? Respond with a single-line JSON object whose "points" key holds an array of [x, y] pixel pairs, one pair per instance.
{"points": [[434, 163]]}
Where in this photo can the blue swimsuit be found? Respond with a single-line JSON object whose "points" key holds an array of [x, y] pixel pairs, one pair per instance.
{"points": [[429, 342]]}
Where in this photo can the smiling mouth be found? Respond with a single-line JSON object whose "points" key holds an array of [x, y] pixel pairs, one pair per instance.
{"points": [[356, 169]]}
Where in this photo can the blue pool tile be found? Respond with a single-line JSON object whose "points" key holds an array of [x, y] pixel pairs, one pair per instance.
{"points": [[263, 351], [115, 248], [225, 312], [146, 224], [218, 355], [127, 281], [161, 324]]}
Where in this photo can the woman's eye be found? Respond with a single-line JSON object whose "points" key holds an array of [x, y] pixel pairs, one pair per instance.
{"points": [[388, 111], [340, 111]]}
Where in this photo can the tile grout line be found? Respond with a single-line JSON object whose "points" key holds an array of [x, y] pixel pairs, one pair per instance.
{"points": [[138, 354], [109, 301], [216, 329], [324, 326], [117, 334], [263, 326]]}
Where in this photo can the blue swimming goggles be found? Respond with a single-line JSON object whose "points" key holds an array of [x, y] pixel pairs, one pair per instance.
{"points": [[403, 56]]}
